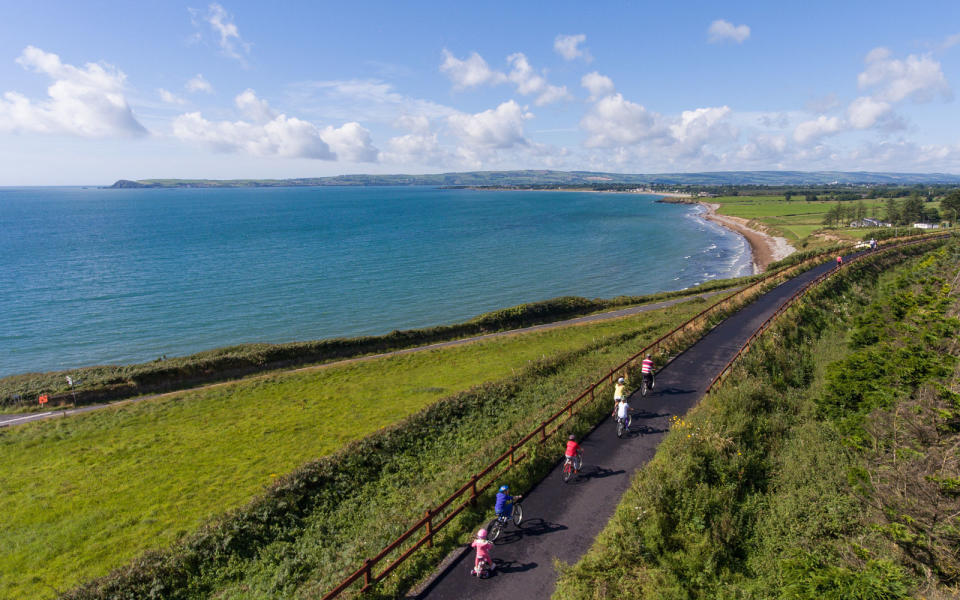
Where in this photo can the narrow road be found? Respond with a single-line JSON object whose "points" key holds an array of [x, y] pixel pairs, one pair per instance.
{"points": [[562, 520], [9, 419]]}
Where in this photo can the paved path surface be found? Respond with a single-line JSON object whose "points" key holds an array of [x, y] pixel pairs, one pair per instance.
{"points": [[7, 420], [561, 520]]}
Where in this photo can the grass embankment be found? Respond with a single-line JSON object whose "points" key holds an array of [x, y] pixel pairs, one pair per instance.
{"points": [[825, 466], [104, 383], [86, 494]]}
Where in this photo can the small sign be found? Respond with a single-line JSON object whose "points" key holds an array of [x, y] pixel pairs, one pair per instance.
{"points": [[43, 399]]}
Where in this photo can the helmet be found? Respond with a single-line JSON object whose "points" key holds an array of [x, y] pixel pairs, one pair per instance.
{"points": [[504, 488], [648, 356], [572, 437], [482, 534], [620, 380]]}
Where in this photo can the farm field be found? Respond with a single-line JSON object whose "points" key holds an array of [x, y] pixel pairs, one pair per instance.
{"points": [[795, 220], [86, 494]]}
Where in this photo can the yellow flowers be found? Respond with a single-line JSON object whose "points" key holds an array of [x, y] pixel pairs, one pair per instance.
{"points": [[705, 432]]}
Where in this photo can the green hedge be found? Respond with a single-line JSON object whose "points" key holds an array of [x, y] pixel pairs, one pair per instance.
{"points": [[102, 383]]}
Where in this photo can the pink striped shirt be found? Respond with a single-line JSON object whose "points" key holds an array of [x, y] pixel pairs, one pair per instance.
{"points": [[646, 366]]}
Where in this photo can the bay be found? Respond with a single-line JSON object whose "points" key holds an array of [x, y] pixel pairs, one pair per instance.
{"points": [[97, 276]]}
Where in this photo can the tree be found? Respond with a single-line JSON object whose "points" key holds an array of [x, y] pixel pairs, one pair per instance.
{"points": [[912, 209], [893, 211], [788, 195], [861, 211], [950, 206]]}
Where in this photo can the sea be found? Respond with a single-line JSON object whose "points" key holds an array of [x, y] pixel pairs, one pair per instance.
{"points": [[92, 276]]}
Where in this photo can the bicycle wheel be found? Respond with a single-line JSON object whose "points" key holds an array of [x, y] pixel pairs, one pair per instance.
{"points": [[643, 388], [517, 514], [577, 462], [619, 428], [493, 529], [567, 472]]}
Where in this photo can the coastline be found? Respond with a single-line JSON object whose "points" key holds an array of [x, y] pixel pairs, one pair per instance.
{"points": [[764, 247]]}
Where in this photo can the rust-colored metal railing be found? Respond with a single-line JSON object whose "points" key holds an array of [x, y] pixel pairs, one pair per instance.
{"points": [[424, 530]]}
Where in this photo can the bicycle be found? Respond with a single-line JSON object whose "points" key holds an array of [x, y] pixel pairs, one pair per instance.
{"points": [[501, 521], [622, 425], [571, 465], [644, 386]]}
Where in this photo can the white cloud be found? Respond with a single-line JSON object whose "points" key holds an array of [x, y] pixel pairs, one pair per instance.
{"points": [[199, 84], [169, 97], [230, 42], [497, 128], [918, 77], [284, 137], [809, 131], [951, 41], [273, 134], [529, 82], [568, 46], [469, 73], [87, 102], [721, 30], [598, 85], [253, 107], [865, 111], [764, 148], [613, 121], [413, 148], [351, 142], [702, 126], [366, 100]]}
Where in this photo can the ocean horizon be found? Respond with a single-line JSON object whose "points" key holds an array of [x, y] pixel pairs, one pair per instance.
{"points": [[95, 276]]}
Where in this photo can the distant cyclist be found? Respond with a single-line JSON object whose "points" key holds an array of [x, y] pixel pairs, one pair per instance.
{"points": [[619, 391], [839, 261], [646, 369], [504, 505], [622, 411]]}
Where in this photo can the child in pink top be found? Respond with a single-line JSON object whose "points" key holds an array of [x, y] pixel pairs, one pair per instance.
{"points": [[483, 562]]}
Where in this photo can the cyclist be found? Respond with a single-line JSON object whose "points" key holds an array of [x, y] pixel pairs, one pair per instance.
{"points": [[573, 448], [646, 368], [504, 505], [619, 391], [622, 411], [839, 261], [482, 563]]}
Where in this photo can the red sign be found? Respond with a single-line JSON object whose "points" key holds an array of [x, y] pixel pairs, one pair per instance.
{"points": [[43, 399]]}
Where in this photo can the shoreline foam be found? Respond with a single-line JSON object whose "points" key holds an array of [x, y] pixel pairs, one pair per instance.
{"points": [[764, 247]]}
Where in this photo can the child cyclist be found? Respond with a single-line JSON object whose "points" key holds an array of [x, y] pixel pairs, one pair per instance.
{"points": [[619, 391], [483, 563], [504, 505], [622, 411], [573, 449]]}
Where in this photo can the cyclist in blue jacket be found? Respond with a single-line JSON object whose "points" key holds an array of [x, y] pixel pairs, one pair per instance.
{"points": [[504, 505]]}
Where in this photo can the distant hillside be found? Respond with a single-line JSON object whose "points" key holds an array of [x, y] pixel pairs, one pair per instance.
{"points": [[541, 178]]}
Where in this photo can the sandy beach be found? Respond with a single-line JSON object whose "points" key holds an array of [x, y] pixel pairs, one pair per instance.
{"points": [[765, 247]]}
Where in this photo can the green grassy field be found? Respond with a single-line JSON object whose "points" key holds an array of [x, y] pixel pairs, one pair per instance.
{"points": [[795, 220], [85, 494]]}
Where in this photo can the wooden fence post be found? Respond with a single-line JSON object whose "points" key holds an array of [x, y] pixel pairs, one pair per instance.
{"points": [[366, 573], [429, 531]]}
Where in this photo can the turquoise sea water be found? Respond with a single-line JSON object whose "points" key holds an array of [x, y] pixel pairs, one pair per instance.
{"points": [[94, 276]]}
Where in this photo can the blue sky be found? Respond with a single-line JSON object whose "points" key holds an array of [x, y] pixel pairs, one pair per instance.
{"points": [[96, 91]]}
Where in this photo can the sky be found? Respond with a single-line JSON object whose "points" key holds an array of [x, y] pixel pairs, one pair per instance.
{"points": [[95, 91]]}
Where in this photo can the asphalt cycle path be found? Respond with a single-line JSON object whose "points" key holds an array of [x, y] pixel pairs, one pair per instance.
{"points": [[10, 419], [561, 520]]}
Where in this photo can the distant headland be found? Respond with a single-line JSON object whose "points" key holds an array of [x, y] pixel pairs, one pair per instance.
{"points": [[541, 179]]}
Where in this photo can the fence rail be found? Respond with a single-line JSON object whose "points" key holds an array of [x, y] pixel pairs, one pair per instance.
{"points": [[427, 527]]}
